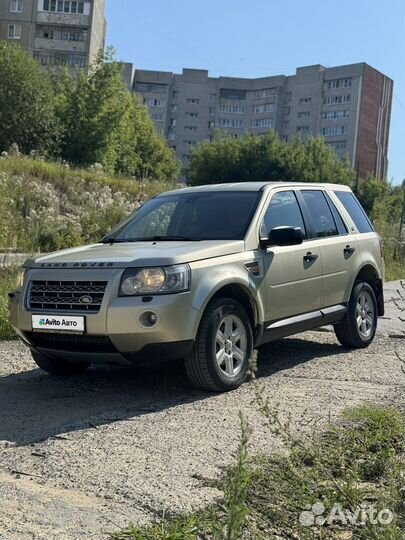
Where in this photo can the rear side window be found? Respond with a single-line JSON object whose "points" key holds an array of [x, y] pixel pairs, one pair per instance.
{"points": [[321, 216], [355, 211], [342, 229]]}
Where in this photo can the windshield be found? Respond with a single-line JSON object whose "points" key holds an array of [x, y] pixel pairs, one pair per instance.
{"points": [[209, 215]]}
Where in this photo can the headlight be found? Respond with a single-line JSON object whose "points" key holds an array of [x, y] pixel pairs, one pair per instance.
{"points": [[20, 279], [169, 279]]}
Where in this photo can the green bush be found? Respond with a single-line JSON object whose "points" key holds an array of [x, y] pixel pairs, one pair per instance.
{"points": [[7, 284]]}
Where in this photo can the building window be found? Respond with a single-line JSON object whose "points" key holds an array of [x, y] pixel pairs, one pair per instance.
{"points": [[213, 111], [211, 124], [230, 93], [302, 129], [287, 110], [213, 97], [190, 143], [158, 117], [262, 123], [232, 109], [304, 114], [305, 100], [265, 108], [63, 6], [338, 83], [265, 92], [152, 102], [335, 115], [16, 6], [192, 114], [150, 87], [14, 31], [336, 100], [333, 131], [172, 137], [231, 123], [73, 35], [193, 101], [174, 108], [340, 145], [175, 94], [190, 128], [59, 59], [172, 122]]}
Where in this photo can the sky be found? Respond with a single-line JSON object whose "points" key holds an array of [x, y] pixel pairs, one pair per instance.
{"points": [[259, 38]]}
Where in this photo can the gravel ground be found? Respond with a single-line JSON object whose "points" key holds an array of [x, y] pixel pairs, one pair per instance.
{"points": [[84, 456]]}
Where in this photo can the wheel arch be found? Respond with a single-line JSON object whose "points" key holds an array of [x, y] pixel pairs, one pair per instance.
{"points": [[370, 274], [240, 292]]}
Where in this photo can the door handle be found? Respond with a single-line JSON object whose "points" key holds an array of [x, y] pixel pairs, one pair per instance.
{"points": [[348, 250], [310, 257]]}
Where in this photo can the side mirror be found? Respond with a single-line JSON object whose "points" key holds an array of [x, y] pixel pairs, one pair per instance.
{"points": [[283, 236]]}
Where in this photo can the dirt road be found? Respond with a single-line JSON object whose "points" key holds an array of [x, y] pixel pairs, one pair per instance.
{"points": [[80, 457]]}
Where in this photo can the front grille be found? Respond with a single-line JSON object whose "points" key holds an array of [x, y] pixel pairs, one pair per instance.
{"points": [[66, 295], [71, 343]]}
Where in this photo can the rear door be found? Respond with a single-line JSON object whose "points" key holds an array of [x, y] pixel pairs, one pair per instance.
{"points": [[339, 250], [292, 273]]}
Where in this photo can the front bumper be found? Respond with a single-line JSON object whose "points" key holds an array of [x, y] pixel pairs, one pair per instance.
{"points": [[115, 334]]}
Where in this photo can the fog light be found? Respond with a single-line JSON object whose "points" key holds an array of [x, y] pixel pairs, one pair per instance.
{"points": [[148, 319]]}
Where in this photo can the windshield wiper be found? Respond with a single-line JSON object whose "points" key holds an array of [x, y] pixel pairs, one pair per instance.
{"points": [[113, 240], [173, 237], [150, 239]]}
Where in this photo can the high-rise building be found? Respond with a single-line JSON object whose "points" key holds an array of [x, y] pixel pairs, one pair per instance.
{"points": [[350, 106], [56, 32]]}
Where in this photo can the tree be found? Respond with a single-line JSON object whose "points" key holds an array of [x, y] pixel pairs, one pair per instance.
{"points": [[266, 158], [26, 102], [102, 122]]}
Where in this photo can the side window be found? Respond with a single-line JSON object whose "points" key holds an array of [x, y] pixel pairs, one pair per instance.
{"points": [[342, 228], [284, 210], [355, 211], [321, 215]]}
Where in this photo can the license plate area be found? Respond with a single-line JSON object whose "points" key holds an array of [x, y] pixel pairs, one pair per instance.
{"points": [[60, 324]]}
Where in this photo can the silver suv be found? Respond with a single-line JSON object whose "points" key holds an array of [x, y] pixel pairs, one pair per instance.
{"points": [[206, 274]]}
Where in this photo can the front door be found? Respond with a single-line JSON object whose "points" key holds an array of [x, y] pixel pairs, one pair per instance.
{"points": [[292, 273]]}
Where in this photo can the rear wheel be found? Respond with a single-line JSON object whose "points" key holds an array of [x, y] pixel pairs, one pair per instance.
{"points": [[58, 366], [220, 357], [359, 325]]}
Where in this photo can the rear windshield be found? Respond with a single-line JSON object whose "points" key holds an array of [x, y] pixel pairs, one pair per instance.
{"points": [[355, 210], [222, 215]]}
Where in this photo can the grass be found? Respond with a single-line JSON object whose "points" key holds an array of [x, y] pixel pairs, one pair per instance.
{"points": [[7, 284], [358, 462], [61, 176]]}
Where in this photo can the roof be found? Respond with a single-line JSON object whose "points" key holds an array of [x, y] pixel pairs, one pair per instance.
{"points": [[255, 186]]}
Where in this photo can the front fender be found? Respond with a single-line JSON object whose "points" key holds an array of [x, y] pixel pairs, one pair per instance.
{"points": [[210, 281]]}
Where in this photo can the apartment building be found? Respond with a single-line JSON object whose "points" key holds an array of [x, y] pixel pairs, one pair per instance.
{"points": [[350, 106], [56, 32]]}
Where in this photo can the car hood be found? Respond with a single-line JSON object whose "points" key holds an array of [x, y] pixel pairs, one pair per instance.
{"points": [[136, 254]]}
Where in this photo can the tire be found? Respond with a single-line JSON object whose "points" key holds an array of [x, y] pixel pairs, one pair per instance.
{"points": [[58, 366], [358, 328], [211, 366]]}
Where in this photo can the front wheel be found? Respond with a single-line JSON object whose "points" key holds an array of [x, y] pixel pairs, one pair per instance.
{"points": [[220, 357], [58, 366], [359, 325]]}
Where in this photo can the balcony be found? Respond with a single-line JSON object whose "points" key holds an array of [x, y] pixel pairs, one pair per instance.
{"points": [[66, 19], [60, 45]]}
